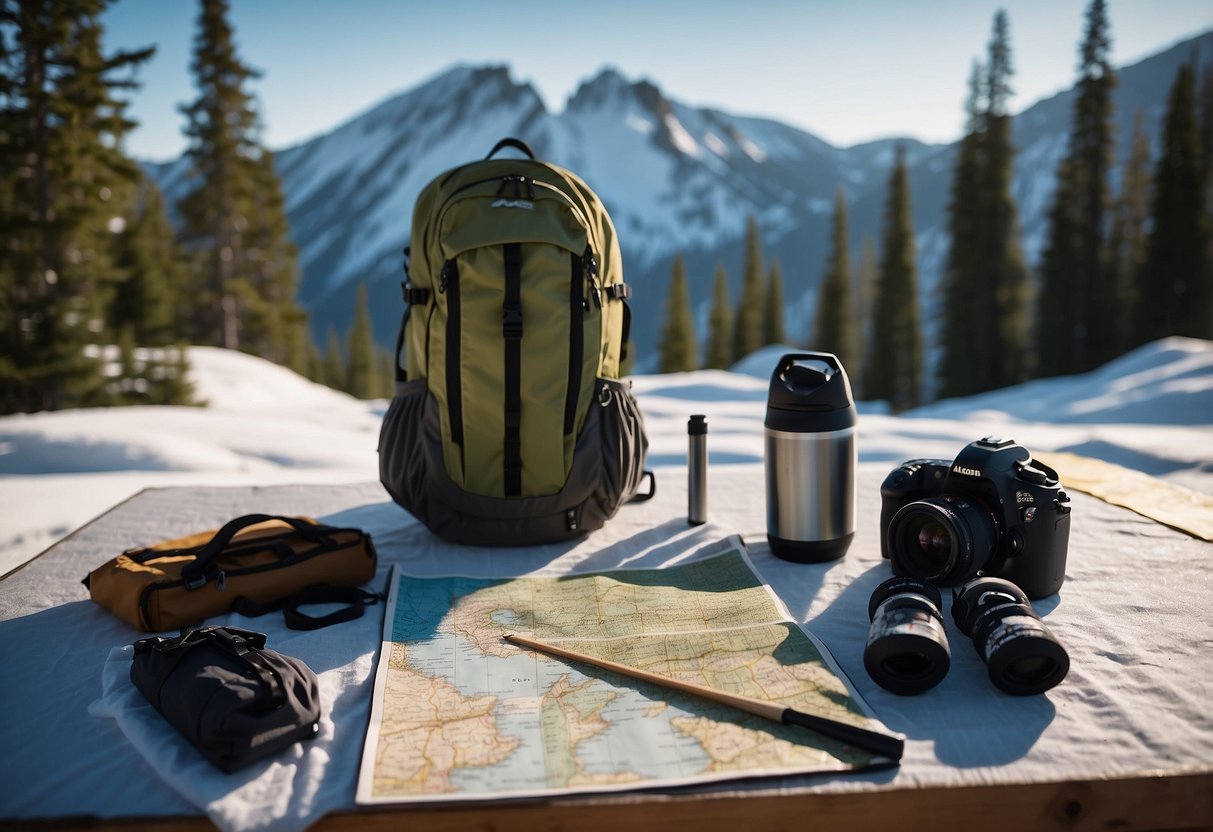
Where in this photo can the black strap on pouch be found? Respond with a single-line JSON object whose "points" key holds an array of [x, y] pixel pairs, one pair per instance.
{"points": [[355, 602], [194, 573], [233, 698]]}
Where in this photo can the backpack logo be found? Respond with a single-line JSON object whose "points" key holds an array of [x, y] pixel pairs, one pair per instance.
{"points": [[514, 203]]}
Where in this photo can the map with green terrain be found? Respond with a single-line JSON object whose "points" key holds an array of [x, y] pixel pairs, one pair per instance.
{"points": [[459, 714]]}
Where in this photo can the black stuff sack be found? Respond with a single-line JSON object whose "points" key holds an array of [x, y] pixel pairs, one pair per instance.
{"points": [[235, 700]]}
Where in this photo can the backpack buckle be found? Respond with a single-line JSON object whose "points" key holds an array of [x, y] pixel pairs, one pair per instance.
{"points": [[413, 296], [511, 321], [619, 291], [193, 578]]}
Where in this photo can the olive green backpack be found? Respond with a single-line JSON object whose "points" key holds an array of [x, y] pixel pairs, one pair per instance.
{"points": [[509, 425]]}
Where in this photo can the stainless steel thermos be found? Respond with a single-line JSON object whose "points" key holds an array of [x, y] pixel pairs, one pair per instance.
{"points": [[810, 458]]}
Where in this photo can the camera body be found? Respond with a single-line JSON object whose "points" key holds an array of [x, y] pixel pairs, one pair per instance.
{"points": [[993, 512]]}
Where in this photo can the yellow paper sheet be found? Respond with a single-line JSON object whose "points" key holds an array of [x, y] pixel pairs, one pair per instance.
{"points": [[1169, 504]]}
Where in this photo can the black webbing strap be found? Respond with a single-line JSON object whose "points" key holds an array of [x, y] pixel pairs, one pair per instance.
{"points": [[195, 573], [638, 497], [355, 600], [400, 373], [627, 332], [618, 291], [511, 330], [412, 297]]}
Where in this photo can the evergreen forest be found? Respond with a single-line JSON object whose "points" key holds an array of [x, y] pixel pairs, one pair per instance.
{"points": [[104, 284], [1128, 257]]}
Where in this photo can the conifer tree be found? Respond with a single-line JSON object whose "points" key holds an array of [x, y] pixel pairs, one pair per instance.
{"points": [[385, 375], [175, 387], [62, 172], [983, 290], [1126, 250], [865, 279], [360, 347], [1003, 350], [279, 331], [834, 330], [1077, 307], [720, 325], [334, 362], [1175, 285], [152, 297], [149, 305], [124, 389], [962, 282], [1093, 148], [894, 369], [1204, 108], [233, 221], [772, 323], [315, 364], [747, 331], [679, 348]]}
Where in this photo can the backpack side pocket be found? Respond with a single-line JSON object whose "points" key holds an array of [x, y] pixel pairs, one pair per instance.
{"points": [[623, 441], [402, 458]]}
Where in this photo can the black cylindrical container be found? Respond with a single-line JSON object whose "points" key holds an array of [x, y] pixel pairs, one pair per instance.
{"points": [[810, 458], [697, 470]]}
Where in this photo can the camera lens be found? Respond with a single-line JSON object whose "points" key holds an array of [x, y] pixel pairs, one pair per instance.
{"points": [[1023, 657], [934, 542], [943, 540], [907, 650]]}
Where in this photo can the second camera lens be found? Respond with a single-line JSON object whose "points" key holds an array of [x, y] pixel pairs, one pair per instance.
{"points": [[1023, 657], [907, 651]]}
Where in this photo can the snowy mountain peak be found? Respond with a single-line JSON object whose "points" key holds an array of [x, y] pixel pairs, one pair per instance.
{"points": [[602, 90], [675, 178], [609, 89]]}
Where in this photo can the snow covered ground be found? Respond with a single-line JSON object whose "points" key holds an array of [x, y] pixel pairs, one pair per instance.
{"points": [[1151, 410]]}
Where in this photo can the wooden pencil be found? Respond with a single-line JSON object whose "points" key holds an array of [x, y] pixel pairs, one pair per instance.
{"points": [[874, 742]]}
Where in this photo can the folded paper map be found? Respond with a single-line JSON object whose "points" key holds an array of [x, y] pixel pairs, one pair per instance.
{"points": [[459, 714]]}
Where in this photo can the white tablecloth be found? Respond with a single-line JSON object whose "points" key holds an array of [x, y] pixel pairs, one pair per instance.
{"points": [[1134, 615]]}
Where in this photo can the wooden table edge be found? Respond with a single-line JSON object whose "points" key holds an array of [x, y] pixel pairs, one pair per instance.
{"points": [[1149, 800]]}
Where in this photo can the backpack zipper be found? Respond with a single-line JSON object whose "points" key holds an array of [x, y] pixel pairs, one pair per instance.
{"points": [[577, 310], [449, 285], [516, 180], [591, 276]]}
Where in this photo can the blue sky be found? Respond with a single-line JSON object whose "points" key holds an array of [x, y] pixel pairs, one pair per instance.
{"points": [[846, 71]]}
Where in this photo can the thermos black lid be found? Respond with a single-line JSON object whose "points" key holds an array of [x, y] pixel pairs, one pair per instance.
{"points": [[697, 425], [809, 393]]}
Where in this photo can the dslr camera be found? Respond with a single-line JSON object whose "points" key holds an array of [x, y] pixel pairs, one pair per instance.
{"points": [[992, 512]]}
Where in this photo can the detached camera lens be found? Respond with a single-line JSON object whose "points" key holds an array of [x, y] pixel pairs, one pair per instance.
{"points": [[943, 540], [907, 651], [1023, 657]]}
